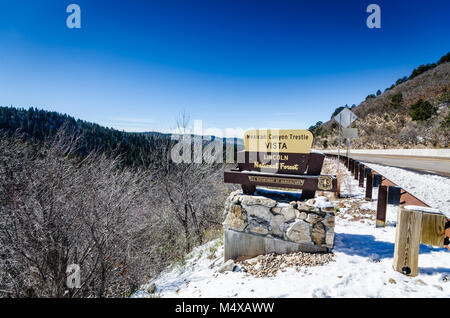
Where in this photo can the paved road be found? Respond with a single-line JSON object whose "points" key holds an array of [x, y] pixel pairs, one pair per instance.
{"points": [[440, 166]]}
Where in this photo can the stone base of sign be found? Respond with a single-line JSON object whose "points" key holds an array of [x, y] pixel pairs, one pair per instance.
{"points": [[274, 222]]}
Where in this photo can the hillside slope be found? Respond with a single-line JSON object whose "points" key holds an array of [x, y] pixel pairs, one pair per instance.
{"points": [[415, 113]]}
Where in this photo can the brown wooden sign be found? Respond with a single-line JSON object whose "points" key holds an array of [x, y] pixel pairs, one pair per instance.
{"points": [[280, 158], [288, 163], [278, 140]]}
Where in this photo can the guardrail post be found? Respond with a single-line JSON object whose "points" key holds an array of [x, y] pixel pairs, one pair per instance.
{"points": [[407, 241], [369, 183], [361, 175], [377, 179], [381, 206], [355, 171], [394, 194], [367, 171]]}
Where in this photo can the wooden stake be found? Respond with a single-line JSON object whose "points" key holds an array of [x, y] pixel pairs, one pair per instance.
{"points": [[407, 241]]}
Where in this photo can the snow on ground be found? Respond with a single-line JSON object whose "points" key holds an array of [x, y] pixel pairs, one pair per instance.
{"points": [[362, 267], [431, 189]]}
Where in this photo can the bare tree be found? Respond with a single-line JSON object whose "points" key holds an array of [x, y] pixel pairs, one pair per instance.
{"points": [[57, 209], [120, 225]]}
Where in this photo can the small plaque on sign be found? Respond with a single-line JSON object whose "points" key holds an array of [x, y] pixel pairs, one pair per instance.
{"points": [[325, 183], [350, 133], [278, 141]]}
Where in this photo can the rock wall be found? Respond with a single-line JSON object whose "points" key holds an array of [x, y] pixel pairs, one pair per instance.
{"points": [[274, 227]]}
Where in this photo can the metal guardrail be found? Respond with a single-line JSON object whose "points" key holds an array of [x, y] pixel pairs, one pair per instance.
{"points": [[388, 191]]}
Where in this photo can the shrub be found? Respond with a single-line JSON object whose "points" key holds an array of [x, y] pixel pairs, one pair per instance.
{"points": [[445, 58], [401, 80], [446, 122], [338, 110], [444, 97], [396, 100], [316, 129], [422, 69], [422, 110]]}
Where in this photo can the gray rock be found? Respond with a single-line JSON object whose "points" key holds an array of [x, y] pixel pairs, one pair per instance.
{"points": [[276, 210], [249, 200], [151, 288], [289, 213], [329, 238], [301, 215], [299, 232], [235, 219], [328, 209], [258, 227], [318, 233], [313, 218], [258, 211], [276, 225], [304, 206], [329, 220], [226, 267], [236, 268], [235, 199]]}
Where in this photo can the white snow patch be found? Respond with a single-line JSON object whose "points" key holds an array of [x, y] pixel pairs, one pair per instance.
{"points": [[432, 189], [363, 258]]}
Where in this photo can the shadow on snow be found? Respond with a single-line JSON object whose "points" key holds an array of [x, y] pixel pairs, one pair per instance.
{"points": [[368, 246]]}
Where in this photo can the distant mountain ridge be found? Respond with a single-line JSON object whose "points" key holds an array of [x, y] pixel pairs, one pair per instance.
{"points": [[135, 149]]}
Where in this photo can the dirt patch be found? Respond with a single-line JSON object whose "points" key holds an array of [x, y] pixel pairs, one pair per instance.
{"points": [[350, 210]]}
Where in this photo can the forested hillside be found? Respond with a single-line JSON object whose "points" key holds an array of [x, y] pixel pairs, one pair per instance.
{"points": [[38, 125], [134, 149], [412, 113]]}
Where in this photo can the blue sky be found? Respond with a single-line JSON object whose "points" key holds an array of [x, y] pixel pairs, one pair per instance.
{"points": [[135, 65]]}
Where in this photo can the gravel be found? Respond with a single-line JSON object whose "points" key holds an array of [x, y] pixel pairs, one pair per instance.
{"points": [[268, 265]]}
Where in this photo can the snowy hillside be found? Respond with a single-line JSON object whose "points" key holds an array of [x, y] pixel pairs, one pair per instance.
{"points": [[361, 265]]}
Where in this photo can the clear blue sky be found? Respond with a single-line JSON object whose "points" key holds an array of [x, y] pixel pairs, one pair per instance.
{"points": [[134, 65]]}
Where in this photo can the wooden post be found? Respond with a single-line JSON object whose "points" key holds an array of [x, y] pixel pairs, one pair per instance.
{"points": [[248, 189], [381, 206], [308, 194], [361, 175], [433, 229], [356, 170], [369, 183], [407, 241], [377, 179], [350, 167]]}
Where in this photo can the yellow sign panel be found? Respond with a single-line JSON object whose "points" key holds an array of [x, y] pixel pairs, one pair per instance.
{"points": [[278, 140]]}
